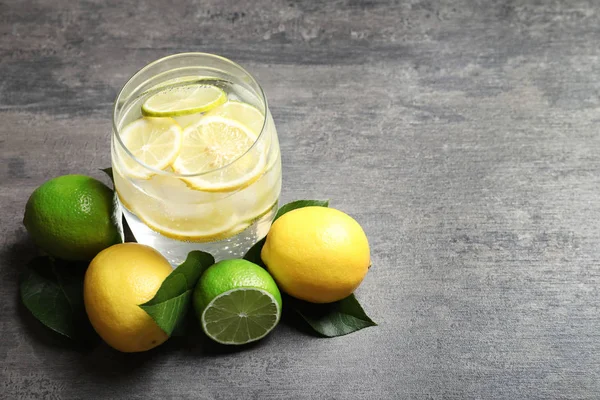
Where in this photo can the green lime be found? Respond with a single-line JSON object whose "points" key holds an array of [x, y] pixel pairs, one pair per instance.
{"points": [[70, 217], [237, 302], [183, 100], [188, 80]]}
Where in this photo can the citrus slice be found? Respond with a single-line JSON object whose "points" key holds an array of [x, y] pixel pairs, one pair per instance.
{"points": [[155, 142], [188, 80], [241, 316], [217, 149], [183, 100], [185, 121], [168, 206], [243, 113], [205, 223]]}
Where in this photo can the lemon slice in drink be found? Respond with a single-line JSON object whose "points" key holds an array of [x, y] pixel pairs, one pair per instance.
{"points": [[243, 113], [191, 223], [183, 100], [153, 141], [221, 151], [236, 110]]}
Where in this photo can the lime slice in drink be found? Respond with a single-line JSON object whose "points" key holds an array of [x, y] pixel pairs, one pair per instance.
{"points": [[220, 150], [237, 302], [183, 100], [188, 80], [155, 142]]}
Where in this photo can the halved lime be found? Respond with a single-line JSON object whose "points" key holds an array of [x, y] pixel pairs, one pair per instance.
{"points": [[241, 316], [237, 302], [184, 100]]}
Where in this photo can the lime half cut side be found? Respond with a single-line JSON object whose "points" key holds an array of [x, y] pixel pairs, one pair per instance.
{"points": [[184, 100], [241, 316]]}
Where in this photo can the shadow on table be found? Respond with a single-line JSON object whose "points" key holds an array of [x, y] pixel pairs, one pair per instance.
{"points": [[18, 253], [93, 357], [108, 365], [196, 343]]}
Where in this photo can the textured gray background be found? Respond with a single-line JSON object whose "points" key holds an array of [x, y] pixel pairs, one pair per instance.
{"points": [[461, 134]]}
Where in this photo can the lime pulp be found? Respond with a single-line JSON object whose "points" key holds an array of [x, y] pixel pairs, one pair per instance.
{"points": [[241, 316], [184, 100]]}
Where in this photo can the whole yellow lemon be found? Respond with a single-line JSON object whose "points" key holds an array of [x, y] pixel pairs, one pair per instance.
{"points": [[317, 254], [117, 280]]}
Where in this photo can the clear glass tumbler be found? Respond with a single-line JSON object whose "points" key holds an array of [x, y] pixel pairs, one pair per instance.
{"points": [[227, 199]]}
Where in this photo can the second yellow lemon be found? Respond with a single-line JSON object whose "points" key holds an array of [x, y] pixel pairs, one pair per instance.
{"points": [[117, 281], [317, 254]]}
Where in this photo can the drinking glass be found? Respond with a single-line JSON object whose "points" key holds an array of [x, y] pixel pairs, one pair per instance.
{"points": [[224, 210]]}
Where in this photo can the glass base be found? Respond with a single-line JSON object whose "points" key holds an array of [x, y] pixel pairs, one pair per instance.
{"points": [[176, 251]]}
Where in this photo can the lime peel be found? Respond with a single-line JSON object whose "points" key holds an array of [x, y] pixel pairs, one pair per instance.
{"points": [[184, 100], [246, 317]]}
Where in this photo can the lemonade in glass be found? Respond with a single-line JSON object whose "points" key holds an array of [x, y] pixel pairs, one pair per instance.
{"points": [[195, 157]]}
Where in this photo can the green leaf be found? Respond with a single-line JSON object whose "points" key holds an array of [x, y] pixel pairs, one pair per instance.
{"points": [[171, 303], [52, 290], [299, 204], [169, 313], [117, 215], [109, 172], [332, 319], [253, 255], [117, 219]]}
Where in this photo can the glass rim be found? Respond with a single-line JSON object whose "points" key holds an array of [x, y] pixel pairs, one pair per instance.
{"points": [[117, 133]]}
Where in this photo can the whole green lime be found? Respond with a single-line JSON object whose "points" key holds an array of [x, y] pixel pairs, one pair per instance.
{"points": [[237, 302], [70, 217]]}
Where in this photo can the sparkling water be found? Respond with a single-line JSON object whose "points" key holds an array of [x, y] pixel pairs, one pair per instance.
{"points": [[164, 211]]}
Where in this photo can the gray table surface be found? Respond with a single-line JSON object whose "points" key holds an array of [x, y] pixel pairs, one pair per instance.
{"points": [[461, 134]]}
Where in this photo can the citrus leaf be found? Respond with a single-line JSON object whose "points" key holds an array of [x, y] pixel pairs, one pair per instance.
{"points": [[52, 290], [171, 302], [299, 204], [117, 214], [253, 255], [332, 319], [109, 172], [169, 313]]}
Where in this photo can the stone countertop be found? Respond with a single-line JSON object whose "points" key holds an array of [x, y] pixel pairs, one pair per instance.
{"points": [[462, 135]]}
